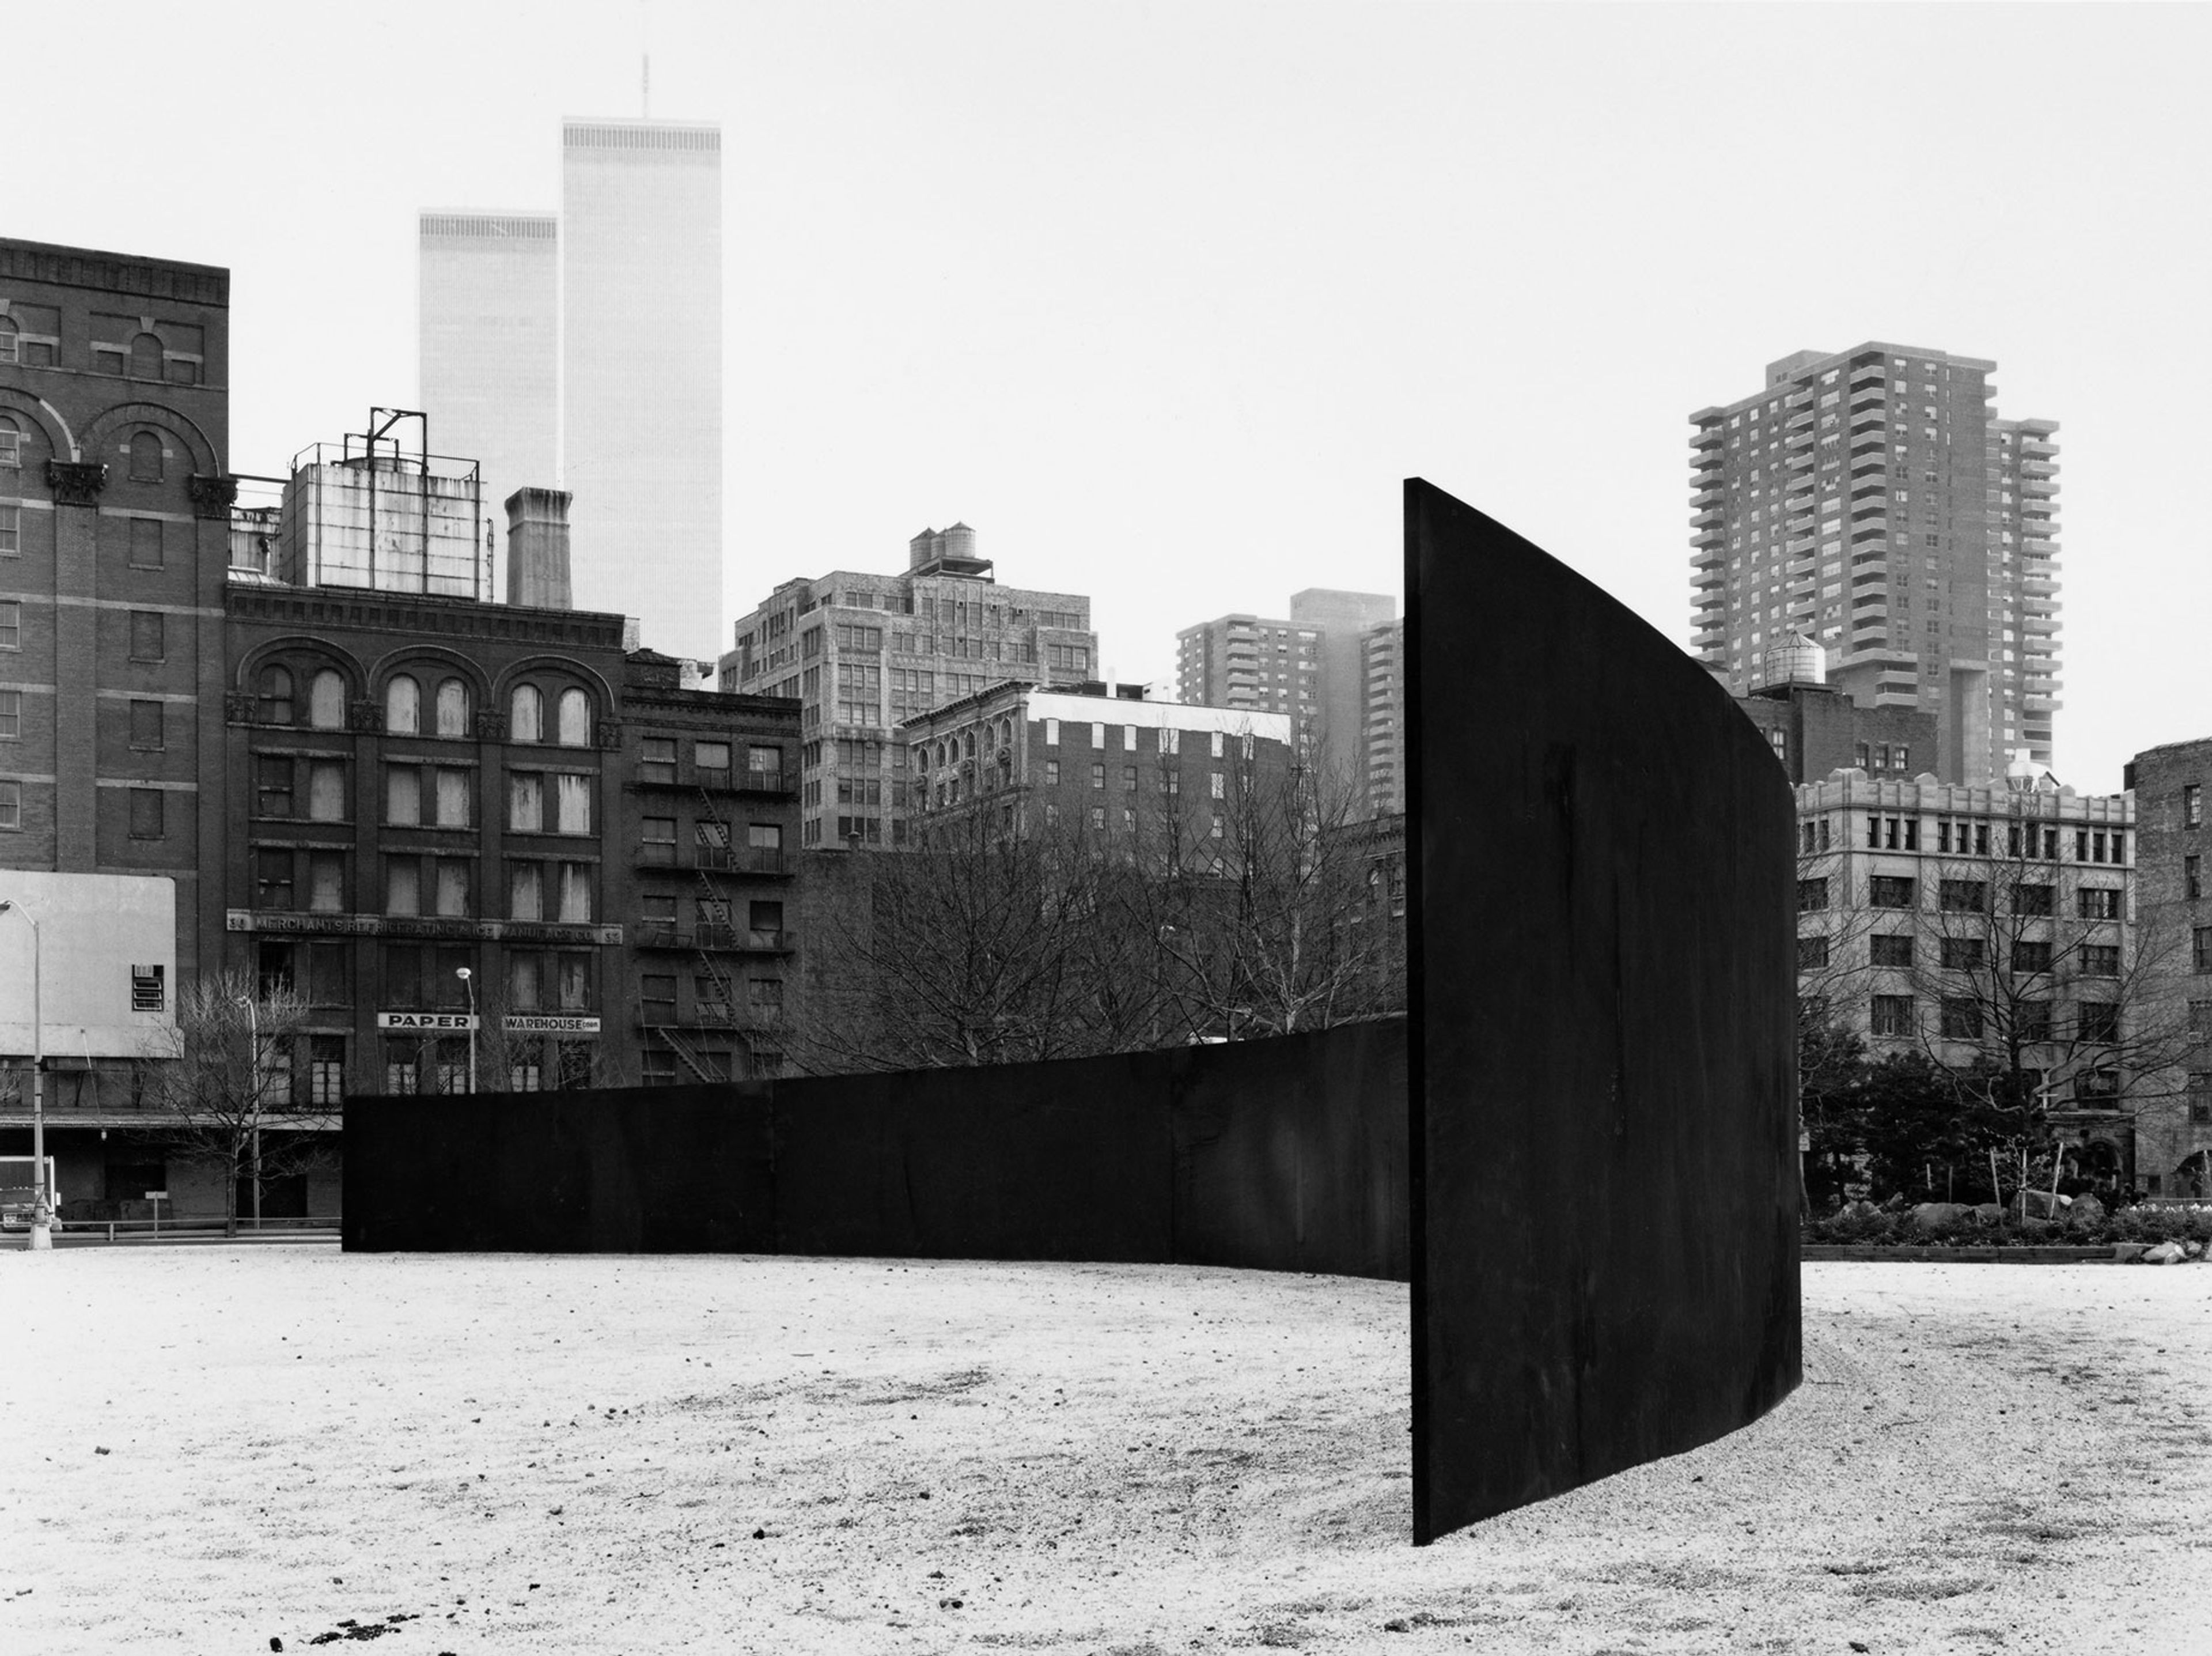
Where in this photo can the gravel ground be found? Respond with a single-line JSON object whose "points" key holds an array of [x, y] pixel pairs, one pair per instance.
{"points": [[210, 1449]]}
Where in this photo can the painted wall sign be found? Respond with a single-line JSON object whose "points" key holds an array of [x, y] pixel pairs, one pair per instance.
{"points": [[457, 1021]]}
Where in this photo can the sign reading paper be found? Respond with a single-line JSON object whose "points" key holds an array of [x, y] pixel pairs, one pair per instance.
{"points": [[546, 1023], [455, 1022]]}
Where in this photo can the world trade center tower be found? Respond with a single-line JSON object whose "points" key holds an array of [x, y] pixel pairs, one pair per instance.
{"points": [[584, 351], [642, 374]]}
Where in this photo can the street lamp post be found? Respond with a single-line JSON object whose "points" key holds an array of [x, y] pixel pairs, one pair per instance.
{"points": [[41, 1220], [253, 1114], [468, 982]]}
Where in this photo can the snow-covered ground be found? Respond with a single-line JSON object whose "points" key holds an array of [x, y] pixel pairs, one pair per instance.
{"points": [[203, 1450]]}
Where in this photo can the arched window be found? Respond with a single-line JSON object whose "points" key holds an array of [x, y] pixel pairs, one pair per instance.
{"points": [[452, 708], [11, 443], [403, 707], [525, 711], [274, 700], [968, 745], [575, 719], [146, 357], [326, 700], [145, 457]]}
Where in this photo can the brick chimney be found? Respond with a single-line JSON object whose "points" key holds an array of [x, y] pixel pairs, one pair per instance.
{"points": [[537, 549]]}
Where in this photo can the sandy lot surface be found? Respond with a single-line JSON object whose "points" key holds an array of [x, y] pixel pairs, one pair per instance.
{"points": [[207, 1449]]}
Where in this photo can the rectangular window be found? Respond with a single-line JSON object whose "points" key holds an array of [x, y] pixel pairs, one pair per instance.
{"points": [[2032, 1020], [403, 885], [2030, 955], [2192, 805], [573, 801], [326, 1070], [1052, 733], [1218, 785], [403, 795], [1892, 949], [146, 726], [2100, 959], [1889, 891], [1216, 744], [11, 623], [1812, 895], [11, 529], [2200, 1098], [1962, 1017], [11, 804], [146, 640], [526, 891], [145, 543], [1962, 953], [1052, 773], [765, 919], [327, 789], [1892, 1015], [1963, 897], [145, 813], [657, 841], [657, 759], [710, 761], [2097, 1088], [453, 885], [1098, 775], [1128, 778], [326, 882], [2200, 948], [2033, 900], [272, 878], [1171, 741], [526, 801], [1812, 953], [2098, 902], [455, 788], [576, 893], [2098, 1021], [2192, 879]]}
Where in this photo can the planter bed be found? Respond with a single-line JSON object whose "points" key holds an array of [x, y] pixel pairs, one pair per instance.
{"points": [[1967, 1255]]}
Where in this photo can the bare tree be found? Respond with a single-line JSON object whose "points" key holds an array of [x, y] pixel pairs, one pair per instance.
{"points": [[1275, 913], [221, 1081], [2048, 1006]]}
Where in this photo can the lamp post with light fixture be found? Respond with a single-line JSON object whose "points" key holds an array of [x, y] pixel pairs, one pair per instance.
{"points": [[41, 1220], [468, 982]]}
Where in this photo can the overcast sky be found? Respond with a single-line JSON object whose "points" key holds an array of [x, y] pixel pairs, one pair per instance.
{"points": [[1166, 300]]}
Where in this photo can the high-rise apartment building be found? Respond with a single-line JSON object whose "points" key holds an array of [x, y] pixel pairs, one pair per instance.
{"points": [[1383, 720], [1315, 666], [863, 653], [489, 346], [1872, 500], [584, 349]]}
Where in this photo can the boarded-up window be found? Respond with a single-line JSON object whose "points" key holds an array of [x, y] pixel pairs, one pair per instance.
{"points": [[145, 543], [146, 724], [147, 642], [453, 885], [575, 805], [575, 719], [525, 802], [403, 885], [452, 708], [575, 892], [527, 714], [326, 700], [403, 707], [403, 795], [326, 882], [525, 891], [327, 790], [145, 457], [146, 813], [455, 788]]}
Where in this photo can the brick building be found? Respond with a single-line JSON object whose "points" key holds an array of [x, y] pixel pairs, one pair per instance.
{"points": [[1816, 728], [2173, 1121], [1958, 921], [862, 652], [703, 874], [1089, 762]]}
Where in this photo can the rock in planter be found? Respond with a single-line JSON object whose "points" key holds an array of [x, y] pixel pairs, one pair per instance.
{"points": [[2087, 1209], [1933, 1215], [2165, 1253], [2041, 1204], [1989, 1213], [2128, 1252], [2193, 1249]]}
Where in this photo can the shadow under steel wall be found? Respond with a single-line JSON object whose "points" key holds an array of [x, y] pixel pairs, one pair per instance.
{"points": [[1286, 1155]]}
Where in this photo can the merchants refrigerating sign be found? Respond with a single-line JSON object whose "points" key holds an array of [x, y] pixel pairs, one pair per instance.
{"points": [[546, 1023], [457, 1021]]}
